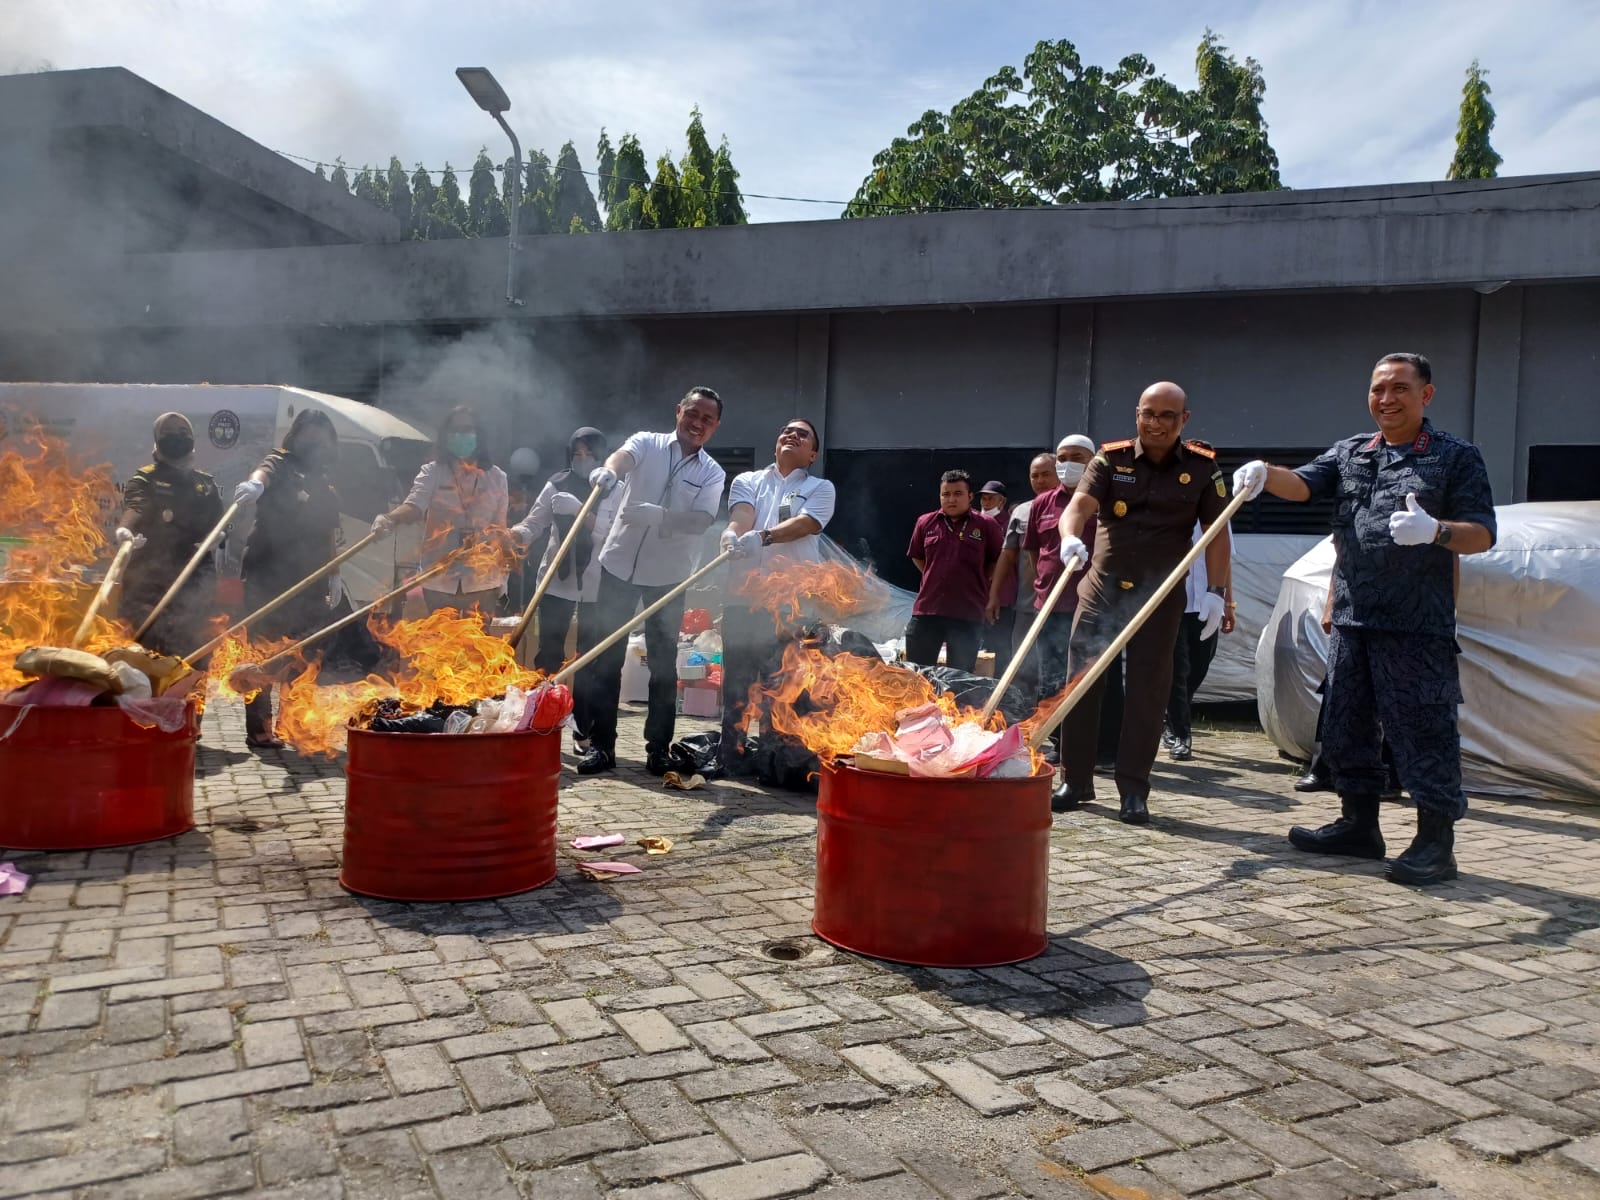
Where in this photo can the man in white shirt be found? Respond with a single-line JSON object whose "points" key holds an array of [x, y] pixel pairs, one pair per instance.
{"points": [[774, 518], [671, 490]]}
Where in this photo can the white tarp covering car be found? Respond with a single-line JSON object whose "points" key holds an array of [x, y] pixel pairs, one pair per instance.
{"points": [[1528, 623]]}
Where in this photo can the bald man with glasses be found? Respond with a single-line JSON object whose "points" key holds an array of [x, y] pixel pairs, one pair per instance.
{"points": [[1147, 493]]}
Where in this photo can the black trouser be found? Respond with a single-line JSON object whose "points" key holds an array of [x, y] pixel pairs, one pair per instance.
{"points": [[1111, 705], [555, 616], [1319, 760], [1027, 680], [1191, 659], [602, 679], [925, 634], [1051, 651], [999, 639], [748, 638], [1405, 688], [1149, 663]]}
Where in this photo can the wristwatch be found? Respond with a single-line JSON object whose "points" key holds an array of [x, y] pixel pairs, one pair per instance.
{"points": [[766, 537]]}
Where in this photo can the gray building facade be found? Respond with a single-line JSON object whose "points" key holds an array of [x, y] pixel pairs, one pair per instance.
{"points": [[916, 343]]}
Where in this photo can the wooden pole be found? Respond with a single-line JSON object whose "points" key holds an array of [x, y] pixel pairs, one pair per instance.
{"points": [[283, 598], [201, 551], [113, 575], [1034, 630], [550, 571], [285, 655], [566, 674], [1107, 656]]}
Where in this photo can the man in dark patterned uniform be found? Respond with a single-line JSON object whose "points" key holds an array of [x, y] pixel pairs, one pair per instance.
{"points": [[1148, 492], [1410, 499]]}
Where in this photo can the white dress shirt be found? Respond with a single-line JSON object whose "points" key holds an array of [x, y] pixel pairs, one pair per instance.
{"points": [[661, 474], [768, 492], [458, 504], [541, 519]]}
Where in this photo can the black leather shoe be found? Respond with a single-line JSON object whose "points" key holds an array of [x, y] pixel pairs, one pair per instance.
{"points": [[1064, 799], [1168, 741], [1355, 833], [1431, 856], [657, 762], [1135, 810], [1181, 751], [1316, 779], [595, 761]]}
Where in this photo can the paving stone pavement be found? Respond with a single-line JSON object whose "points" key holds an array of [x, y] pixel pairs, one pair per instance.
{"points": [[1216, 1015]]}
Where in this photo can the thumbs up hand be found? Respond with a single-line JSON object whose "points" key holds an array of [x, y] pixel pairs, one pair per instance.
{"points": [[1411, 526]]}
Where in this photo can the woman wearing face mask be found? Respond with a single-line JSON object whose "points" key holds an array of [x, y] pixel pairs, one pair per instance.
{"points": [[462, 497], [576, 586], [296, 531], [172, 507]]}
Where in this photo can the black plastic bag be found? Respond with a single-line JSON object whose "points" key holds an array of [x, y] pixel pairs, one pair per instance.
{"points": [[696, 754], [973, 691], [429, 720]]}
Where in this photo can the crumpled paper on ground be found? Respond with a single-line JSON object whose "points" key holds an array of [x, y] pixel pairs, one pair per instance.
{"points": [[597, 840], [601, 870], [656, 845], [676, 779], [12, 881]]}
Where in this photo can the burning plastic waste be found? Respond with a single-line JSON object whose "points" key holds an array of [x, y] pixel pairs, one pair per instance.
{"points": [[810, 591]]}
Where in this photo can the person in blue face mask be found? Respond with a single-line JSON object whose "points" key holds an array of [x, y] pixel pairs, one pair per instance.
{"points": [[461, 496]]}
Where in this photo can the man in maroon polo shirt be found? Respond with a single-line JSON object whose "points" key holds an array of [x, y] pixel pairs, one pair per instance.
{"points": [[1042, 544], [955, 548]]}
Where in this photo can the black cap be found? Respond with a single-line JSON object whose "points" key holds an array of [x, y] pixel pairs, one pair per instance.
{"points": [[993, 488]]}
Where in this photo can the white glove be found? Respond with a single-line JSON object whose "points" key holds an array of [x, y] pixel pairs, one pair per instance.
{"points": [[1211, 611], [565, 504], [648, 515], [727, 541], [522, 535], [124, 534], [335, 590], [1413, 527], [603, 478], [382, 526], [1250, 479], [248, 492], [1073, 549], [745, 545]]}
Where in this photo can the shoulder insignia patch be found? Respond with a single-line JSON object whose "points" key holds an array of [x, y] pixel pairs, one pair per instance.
{"points": [[1377, 440], [1122, 445], [1195, 448]]}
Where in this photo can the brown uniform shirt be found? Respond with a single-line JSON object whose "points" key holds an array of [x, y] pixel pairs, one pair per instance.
{"points": [[1148, 510]]}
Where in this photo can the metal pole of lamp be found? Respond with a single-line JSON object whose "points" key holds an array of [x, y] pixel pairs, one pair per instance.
{"points": [[486, 91]]}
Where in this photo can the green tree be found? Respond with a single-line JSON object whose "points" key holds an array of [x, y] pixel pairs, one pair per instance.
{"points": [[573, 201], [1475, 158], [486, 212], [423, 195], [537, 194], [694, 200], [372, 187], [727, 204], [1063, 131], [699, 154], [341, 178], [1227, 134], [605, 159], [631, 184], [449, 209], [662, 201], [399, 203], [320, 173]]}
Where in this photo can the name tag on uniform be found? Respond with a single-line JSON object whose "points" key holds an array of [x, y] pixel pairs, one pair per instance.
{"points": [[1119, 478]]}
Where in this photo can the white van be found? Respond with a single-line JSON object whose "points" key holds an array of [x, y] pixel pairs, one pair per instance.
{"points": [[235, 426]]}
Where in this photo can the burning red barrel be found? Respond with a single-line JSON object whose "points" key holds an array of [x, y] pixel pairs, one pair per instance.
{"points": [[932, 872], [79, 778], [446, 816]]}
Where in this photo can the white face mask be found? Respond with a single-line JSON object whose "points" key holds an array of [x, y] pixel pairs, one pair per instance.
{"points": [[1069, 473]]}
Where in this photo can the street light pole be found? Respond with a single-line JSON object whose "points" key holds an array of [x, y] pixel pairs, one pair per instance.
{"points": [[491, 97]]}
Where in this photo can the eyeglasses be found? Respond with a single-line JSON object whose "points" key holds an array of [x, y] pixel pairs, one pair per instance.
{"points": [[797, 430], [1158, 418]]}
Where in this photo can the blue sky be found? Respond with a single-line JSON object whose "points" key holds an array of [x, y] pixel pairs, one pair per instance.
{"points": [[1357, 91]]}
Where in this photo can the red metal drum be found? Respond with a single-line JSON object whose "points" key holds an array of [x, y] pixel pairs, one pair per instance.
{"points": [[932, 872], [84, 778], [440, 816]]}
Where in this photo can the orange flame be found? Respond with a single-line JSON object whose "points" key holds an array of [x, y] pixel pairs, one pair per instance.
{"points": [[53, 516], [829, 704], [444, 656], [818, 591]]}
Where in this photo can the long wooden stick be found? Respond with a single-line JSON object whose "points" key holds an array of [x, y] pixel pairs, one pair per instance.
{"points": [[1034, 630], [565, 675], [201, 551], [282, 598], [113, 575], [1109, 654], [555, 563], [349, 618]]}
